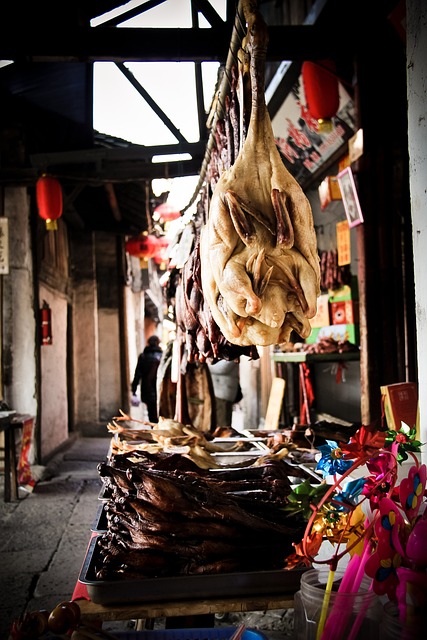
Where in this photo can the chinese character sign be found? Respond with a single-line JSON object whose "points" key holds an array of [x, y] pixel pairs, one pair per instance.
{"points": [[4, 246]]}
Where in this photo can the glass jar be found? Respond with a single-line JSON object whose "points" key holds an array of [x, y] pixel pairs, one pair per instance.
{"points": [[350, 616], [391, 627]]}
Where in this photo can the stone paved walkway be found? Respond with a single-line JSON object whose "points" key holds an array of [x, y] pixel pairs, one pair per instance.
{"points": [[44, 537]]}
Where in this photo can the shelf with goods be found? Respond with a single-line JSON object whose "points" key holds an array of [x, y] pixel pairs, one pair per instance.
{"points": [[335, 334], [319, 383], [330, 360], [301, 356]]}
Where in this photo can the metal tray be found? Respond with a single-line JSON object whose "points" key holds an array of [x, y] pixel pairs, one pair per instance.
{"points": [[224, 585]]}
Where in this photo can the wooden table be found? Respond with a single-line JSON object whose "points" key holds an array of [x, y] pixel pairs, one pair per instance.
{"points": [[91, 611], [9, 422], [180, 613], [10, 462]]}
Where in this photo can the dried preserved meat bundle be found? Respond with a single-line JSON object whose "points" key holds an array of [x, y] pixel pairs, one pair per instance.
{"points": [[204, 341]]}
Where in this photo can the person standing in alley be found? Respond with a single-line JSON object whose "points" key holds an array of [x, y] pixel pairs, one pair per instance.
{"points": [[146, 376], [227, 390]]}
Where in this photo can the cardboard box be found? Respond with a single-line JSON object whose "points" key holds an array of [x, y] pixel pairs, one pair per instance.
{"points": [[322, 317], [329, 190], [345, 312], [347, 292], [344, 163], [400, 404], [339, 332], [355, 146]]}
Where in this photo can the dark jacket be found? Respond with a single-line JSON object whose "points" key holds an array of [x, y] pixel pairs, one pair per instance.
{"points": [[146, 373]]}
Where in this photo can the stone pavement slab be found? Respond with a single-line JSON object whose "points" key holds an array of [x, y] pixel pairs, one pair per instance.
{"points": [[44, 538], [44, 535]]}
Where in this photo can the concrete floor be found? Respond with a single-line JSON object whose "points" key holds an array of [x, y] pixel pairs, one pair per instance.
{"points": [[44, 537]]}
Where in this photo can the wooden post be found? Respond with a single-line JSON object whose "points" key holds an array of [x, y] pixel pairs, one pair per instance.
{"points": [[275, 401]]}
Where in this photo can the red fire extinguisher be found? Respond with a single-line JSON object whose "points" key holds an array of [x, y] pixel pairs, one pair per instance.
{"points": [[46, 324]]}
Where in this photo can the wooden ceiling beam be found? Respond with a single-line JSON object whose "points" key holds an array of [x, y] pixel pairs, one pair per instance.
{"points": [[114, 173], [86, 44], [99, 156]]}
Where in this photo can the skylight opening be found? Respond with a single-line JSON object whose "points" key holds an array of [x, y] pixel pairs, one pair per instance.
{"points": [[170, 14], [172, 157]]}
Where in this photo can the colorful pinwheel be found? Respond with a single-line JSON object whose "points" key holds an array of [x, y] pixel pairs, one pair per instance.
{"points": [[332, 460]]}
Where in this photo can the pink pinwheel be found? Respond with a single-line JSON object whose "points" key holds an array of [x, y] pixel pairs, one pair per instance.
{"points": [[411, 491], [416, 548], [397, 539], [383, 470], [383, 564]]}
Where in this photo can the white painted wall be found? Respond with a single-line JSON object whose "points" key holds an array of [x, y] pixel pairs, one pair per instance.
{"points": [[416, 58], [19, 328], [109, 364], [135, 308], [85, 352]]}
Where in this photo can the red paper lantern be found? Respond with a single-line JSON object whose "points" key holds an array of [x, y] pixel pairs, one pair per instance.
{"points": [[166, 212], [49, 200], [144, 246], [321, 91], [161, 255]]}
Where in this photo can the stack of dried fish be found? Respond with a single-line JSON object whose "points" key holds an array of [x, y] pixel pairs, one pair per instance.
{"points": [[168, 517]]}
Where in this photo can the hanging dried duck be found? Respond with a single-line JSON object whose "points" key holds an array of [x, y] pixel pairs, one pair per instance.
{"points": [[259, 261]]}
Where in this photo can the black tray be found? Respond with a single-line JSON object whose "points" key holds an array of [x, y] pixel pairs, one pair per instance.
{"points": [[100, 523], [224, 585], [210, 633], [105, 494]]}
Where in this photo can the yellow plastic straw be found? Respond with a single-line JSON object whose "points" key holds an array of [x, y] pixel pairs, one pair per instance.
{"points": [[325, 605]]}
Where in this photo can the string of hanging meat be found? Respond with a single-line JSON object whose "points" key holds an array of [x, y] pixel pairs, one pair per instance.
{"points": [[332, 275], [204, 340]]}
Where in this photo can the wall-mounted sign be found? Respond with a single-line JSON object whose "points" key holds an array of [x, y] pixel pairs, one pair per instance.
{"points": [[349, 197], [4, 245], [303, 147]]}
